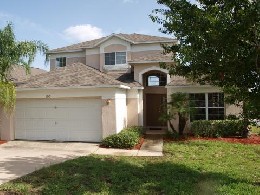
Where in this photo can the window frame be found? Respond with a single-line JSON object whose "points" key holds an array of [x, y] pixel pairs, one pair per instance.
{"points": [[115, 58], [161, 82], [207, 106], [63, 61]]}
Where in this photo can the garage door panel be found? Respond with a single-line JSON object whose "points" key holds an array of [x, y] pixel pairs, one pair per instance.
{"points": [[59, 119], [32, 113], [83, 135], [58, 113]]}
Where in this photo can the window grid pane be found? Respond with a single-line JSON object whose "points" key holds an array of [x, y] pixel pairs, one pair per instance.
{"points": [[110, 58], [115, 58], [198, 102], [120, 57]]}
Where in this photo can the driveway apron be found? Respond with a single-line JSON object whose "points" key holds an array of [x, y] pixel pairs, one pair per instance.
{"points": [[18, 158]]}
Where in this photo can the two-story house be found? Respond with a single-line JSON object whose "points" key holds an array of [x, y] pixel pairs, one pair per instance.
{"points": [[98, 87]]}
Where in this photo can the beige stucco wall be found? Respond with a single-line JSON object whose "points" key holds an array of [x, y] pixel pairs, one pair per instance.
{"points": [[71, 57], [69, 61], [135, 107], [93, 61], [132, 112], [233, 110], [108, 117], [115, 48]]}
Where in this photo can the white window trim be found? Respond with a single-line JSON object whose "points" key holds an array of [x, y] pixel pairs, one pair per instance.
{"points": [[115, 59]]}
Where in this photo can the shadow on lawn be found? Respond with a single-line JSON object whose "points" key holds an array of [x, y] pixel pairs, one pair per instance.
{"points": [[123, 175]]}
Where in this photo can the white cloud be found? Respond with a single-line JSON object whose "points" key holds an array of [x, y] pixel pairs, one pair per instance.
{"points": [[83, 32]]}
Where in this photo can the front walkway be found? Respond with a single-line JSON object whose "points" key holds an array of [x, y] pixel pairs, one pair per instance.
{"points": [[152, 146]]}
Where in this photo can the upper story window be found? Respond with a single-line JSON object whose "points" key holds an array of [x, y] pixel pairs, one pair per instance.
{"points": [[115, 58], [156, 79], [61, 62]]}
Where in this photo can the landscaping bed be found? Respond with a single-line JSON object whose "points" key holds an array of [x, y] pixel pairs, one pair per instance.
{"points": [[128, 138], [2, 142], [253, 139]]}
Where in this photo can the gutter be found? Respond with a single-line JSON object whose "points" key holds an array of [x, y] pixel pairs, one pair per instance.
{"points": [[76, 87], [142, 62]]}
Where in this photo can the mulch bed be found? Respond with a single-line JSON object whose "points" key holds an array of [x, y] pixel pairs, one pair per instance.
{"points": [[139, 145], [2, 142], [253, 139]]}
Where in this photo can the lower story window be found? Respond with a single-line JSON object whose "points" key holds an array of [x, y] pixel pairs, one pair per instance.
{"points": [[209, 106]]}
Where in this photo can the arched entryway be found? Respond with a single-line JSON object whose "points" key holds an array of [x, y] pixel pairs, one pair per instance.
{"points": [[154, 96]]}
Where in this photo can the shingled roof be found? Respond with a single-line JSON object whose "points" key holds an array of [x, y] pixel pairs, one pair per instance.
{"points": [[74, 75], [125, 77], [153, 57], [179, 81], [132, 38], [18, 73]]}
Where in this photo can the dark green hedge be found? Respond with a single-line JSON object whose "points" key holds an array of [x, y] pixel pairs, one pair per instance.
{"points": [[217, 128], [127, 138]]}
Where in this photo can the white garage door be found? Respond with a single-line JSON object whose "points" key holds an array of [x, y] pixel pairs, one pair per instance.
{"points": [[58, 119]]}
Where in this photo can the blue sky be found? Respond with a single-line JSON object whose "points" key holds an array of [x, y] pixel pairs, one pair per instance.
{"points": [[62, 22]]}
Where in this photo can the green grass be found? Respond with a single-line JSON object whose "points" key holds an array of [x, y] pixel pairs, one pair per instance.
{"points": [[194, 167]]}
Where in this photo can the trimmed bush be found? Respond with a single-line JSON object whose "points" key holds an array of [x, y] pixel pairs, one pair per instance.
{"points": [[127, 138], [217, 128]]}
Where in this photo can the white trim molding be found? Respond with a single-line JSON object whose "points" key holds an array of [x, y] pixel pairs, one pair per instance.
{"points": [[140, 74]]}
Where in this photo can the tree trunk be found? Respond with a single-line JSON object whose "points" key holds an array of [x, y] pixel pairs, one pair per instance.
{"points": [[182, 123], [245, 131]]}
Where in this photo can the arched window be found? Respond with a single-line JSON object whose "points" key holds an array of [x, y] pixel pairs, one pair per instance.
{"points": [[156, 79]]}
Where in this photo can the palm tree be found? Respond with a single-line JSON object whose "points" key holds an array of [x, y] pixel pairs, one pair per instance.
{"points": [[13, 52], [178, 105]]}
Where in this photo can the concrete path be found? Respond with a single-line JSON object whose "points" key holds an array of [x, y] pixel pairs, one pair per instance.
{"points": [[152, 146], [18, 158]]}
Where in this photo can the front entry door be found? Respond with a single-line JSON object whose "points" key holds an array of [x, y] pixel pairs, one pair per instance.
{"points": [[154, 109]]}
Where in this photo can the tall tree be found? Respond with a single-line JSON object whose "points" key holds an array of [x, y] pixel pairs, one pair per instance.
{"points": [[13, 52], [219, 44]]}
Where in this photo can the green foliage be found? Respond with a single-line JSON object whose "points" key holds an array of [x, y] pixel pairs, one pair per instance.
{"points": [[217, 128], [13, 52], [231, 117], [7, 95], [219, 44], [178, 105], [187, 167], [127, 138]]}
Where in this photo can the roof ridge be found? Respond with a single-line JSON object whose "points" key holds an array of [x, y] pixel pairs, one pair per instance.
{"points": [[134, 38]]}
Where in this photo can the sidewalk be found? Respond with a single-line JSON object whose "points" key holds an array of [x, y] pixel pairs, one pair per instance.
{"points": [[152, 146]]}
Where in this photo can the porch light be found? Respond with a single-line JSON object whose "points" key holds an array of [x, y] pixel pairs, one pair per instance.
{"points": [[108, 101]]}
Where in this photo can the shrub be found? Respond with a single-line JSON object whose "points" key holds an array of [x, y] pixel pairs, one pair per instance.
{"points": [[217, 128], [127, 138]]}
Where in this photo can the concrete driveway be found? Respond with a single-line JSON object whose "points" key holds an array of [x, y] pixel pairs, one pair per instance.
{"points": [[18, 158]]}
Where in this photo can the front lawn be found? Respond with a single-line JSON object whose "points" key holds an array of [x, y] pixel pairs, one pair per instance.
{"points": [[191, 167]]}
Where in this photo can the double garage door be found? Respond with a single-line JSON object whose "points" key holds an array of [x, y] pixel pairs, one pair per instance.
{"points": [[59, 119]]}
